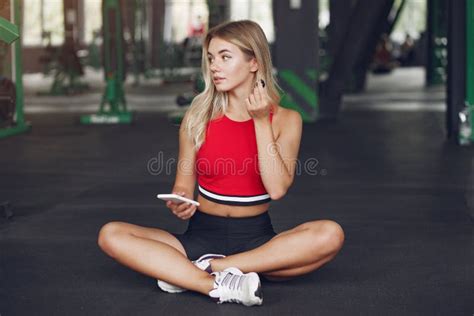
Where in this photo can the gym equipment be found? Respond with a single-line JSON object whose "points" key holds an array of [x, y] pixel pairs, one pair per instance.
{"points": [[185, 99], [192, 51], [9, 33], [7, 102], [63, 62], [437, 59], [139, 37], [66, 69], [93, 51], [113, 107], [466, 128]]}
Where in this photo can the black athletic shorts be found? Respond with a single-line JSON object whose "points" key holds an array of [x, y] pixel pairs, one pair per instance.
{"points": [[225, 235]]}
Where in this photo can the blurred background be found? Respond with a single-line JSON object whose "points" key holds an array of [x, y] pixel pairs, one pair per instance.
{"points": [[347, 55]]}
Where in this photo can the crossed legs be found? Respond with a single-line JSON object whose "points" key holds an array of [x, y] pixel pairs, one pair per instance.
{"points": [[159, 254]]}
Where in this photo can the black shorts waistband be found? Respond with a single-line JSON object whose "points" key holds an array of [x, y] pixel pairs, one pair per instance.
{"points": [[258, 224]]}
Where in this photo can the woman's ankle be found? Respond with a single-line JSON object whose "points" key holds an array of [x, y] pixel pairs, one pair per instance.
{"points": [[217, 265], [206, 284]]}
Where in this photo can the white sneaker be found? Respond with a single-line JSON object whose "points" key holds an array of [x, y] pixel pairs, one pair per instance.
{"points": [[203, 263], [232, 285]]}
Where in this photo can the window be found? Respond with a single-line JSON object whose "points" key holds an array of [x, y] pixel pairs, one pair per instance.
{"points": [[181, 16], [259, 11], [43, 16], [92, 19]]}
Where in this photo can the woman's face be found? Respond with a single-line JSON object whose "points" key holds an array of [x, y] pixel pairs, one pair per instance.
{"points": [[229, 66]]}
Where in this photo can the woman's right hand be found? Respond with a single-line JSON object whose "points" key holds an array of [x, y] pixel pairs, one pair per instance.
{"points": [[182, 210]]}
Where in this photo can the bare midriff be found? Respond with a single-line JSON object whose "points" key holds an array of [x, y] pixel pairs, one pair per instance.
{"points": [[223, 210]]}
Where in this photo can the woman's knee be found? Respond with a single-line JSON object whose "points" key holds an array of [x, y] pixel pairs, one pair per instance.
{"points": [[331, 233], [334, 235], [108, 234]]}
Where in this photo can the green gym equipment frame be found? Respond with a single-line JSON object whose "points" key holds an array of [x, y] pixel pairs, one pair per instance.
{"points": [[11, 33], [469, 69], [113, 107]]}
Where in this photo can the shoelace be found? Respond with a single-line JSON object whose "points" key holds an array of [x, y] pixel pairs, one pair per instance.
{"points": [[230, 286]]}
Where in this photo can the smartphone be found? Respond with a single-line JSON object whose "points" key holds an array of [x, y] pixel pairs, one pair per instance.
{"points": [[176, 199]]}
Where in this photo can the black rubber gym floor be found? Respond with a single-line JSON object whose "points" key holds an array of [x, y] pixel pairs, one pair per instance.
{"points": [[402, 194]]}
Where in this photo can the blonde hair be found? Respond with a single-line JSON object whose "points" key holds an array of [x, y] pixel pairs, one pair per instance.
{"points": [[210, 103]]}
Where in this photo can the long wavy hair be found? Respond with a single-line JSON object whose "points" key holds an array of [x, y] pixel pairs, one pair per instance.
{"points": [[210, 103]]}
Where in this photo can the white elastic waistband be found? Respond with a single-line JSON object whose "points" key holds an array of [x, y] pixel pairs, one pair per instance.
{"points": [[235, 199]]}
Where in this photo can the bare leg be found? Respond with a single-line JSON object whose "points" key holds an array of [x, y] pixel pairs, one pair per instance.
{"points": [[291, 253], [291, 273], [151, 252]]}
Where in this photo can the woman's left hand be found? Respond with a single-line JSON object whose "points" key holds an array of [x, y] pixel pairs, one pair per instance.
{"points": [[258, 103]]}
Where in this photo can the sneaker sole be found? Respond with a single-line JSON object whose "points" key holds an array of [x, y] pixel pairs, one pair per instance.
{"points": [[255, 290], [209, 255], [169, 288]]}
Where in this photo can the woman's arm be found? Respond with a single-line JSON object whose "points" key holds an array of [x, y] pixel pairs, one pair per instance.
{"points": [[277, 158], [185, 174], [185, 181]]}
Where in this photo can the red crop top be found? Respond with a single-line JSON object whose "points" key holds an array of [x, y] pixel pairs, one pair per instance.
{"points": [[227, 168]]}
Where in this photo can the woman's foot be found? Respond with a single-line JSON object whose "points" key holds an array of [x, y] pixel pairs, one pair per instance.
{"points": [[233, 286], [203, 263]]}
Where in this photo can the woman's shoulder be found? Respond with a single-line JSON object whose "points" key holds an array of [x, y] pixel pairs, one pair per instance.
{"points": [[284, 118]]}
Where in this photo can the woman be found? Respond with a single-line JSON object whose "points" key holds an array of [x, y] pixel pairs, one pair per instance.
{"points": [[241, 147]]}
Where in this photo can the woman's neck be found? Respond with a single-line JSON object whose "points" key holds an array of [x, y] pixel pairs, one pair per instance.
{"points": [[236, 101]]}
